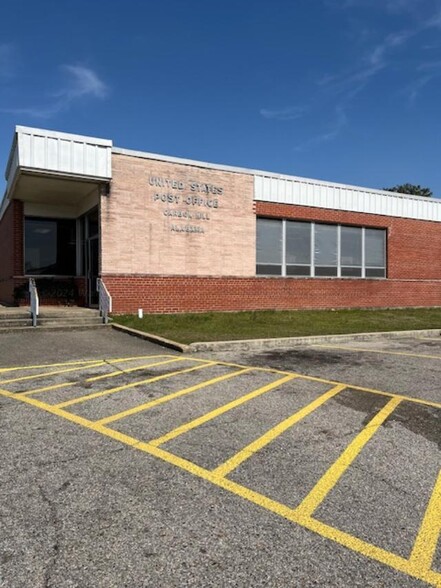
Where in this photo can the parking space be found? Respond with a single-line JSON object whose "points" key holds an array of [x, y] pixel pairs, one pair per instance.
{"points": [[342, 442]]}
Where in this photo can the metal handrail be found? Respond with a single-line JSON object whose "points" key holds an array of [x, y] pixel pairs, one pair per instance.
{"points": [[104, 300], [34, 300]]}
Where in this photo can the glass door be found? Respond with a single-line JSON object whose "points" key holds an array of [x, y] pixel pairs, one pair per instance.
{"points": [[92, 255], [92, 269]]}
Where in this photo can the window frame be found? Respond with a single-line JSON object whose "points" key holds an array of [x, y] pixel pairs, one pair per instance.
{"points": [[312, 266]]}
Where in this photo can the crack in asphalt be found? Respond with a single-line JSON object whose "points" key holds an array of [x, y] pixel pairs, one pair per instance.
{"points": [[56, 524], [81, 457]]}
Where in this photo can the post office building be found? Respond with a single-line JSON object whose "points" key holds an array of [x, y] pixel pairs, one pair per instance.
{"points": [[167, 234]]}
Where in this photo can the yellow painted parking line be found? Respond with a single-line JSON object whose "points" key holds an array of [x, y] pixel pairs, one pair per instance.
{"points": [[96, 363], [48, 365], [234, 461], [337, 383], [177, 394], [54, 373], [403, 397], [347, 384], [255, 368], [428, 535], [381, 351], [401, 564], [132, 385], [102, 376], [218, 411], [121, 372], [78, 362], [348, 541], [338, 468]]}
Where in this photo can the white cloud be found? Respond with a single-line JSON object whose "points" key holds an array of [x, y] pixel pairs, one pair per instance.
{"points": [[334, 129], [336, 90], [288, 113], [434, 20], [379, 56], [428, 71], [393, 40], [80, 83], [34, 112], [415, 88]]}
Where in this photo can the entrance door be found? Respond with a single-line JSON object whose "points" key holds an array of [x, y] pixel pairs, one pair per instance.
{"points": [[91, 254], [92, 269]]}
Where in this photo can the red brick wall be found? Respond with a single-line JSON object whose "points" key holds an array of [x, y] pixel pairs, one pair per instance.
{"points": [[414, 275], [11, 249], [199, 294]]}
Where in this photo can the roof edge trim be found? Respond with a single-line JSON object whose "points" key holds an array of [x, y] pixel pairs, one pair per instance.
{"points": [[266, 174]]}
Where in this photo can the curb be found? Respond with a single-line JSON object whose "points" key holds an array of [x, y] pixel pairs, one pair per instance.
{"points": [[153, 338], [288, 342]]}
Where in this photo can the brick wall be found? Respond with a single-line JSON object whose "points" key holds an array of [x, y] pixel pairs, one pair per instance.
{"points": [[198, 294], [414, 275], [146, 265], [11, 249]]}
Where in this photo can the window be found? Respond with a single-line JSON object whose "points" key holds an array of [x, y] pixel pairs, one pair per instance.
{"points": [[326, 250], [375, 253], [297, 248], [269, 247], [351, 251], [50, 246]]}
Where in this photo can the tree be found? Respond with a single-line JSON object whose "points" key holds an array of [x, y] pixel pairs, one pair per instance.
{"points": [[414, 189]]}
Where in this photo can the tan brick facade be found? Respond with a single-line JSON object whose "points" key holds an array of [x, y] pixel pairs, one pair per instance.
{"points": [[175, 219]]}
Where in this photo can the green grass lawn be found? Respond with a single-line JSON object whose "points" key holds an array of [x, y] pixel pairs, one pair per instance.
{"points": [[218, 326]]}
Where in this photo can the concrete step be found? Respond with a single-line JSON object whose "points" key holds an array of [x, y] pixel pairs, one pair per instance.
{"points": [[50, 317], [68, 313], [57, 327], [17, 314], [68, 320], [16, 322]]}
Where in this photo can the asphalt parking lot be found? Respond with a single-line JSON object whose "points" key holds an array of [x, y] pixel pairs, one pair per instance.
{"points": [[124, 464]]}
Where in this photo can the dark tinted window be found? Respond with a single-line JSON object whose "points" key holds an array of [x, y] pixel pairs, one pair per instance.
{"points": [[50, 246], [269, 246], [375, 248]]}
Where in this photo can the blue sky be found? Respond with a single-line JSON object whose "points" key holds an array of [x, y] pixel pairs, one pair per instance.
{"points": [[341, 90]]}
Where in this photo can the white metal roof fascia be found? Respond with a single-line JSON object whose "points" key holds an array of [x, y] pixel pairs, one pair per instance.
{"points": [[11, 155], [3, 205], [68, 136], [22, 155], [52, 134], [257, 172]]}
